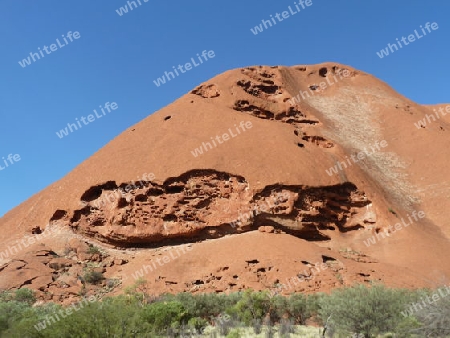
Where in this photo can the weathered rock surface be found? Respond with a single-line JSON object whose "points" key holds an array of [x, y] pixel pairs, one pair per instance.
{"points": [[292, 176]]}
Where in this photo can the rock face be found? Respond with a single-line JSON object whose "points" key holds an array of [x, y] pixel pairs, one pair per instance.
{"points": [[207, 204], [319, 159]]}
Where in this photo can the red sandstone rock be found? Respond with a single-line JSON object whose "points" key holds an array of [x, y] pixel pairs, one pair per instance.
{"points": [[273, 175]]}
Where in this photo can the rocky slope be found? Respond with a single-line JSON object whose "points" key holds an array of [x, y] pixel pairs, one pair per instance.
{"points": [[258, 176]]}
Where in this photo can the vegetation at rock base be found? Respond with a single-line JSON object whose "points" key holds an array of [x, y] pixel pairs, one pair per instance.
{"points": [[358, 311]]}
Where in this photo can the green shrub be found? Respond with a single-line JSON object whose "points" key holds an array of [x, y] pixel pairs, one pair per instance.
{"points": [[364, 310], [11, 313], [93, 250], [6, 296], [163, 315], [25, 296], [356, 311], [197, 323], [205, 305], [298, 308], [93, 277], [252, 306]]}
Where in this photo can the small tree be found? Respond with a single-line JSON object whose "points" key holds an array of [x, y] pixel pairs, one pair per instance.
{"points": [[139, 290]]}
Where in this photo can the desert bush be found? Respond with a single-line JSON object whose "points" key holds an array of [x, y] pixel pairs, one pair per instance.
{"points": [[357, 311], [25, 295], [252, 306], [162, 315], [205, 305], [434, 319], [93, 277], [6, 296], [11, 313], [22, 318], [364, 310], [313, 303], [103, 319], [197, 323], [298, 308], [92, 250]]}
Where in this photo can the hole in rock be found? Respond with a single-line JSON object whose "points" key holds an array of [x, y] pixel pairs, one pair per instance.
{"points": [[327, 258], [78, 213], [140, 198], [97, 223], [122, 202], [95, 192], [36, 230], [253, 261], [170, 218], [174, 189], [58, 215], [155, 192], [323, 71]]}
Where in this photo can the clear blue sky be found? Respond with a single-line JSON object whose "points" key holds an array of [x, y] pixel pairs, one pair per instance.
{"points": [[117, 58]]}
